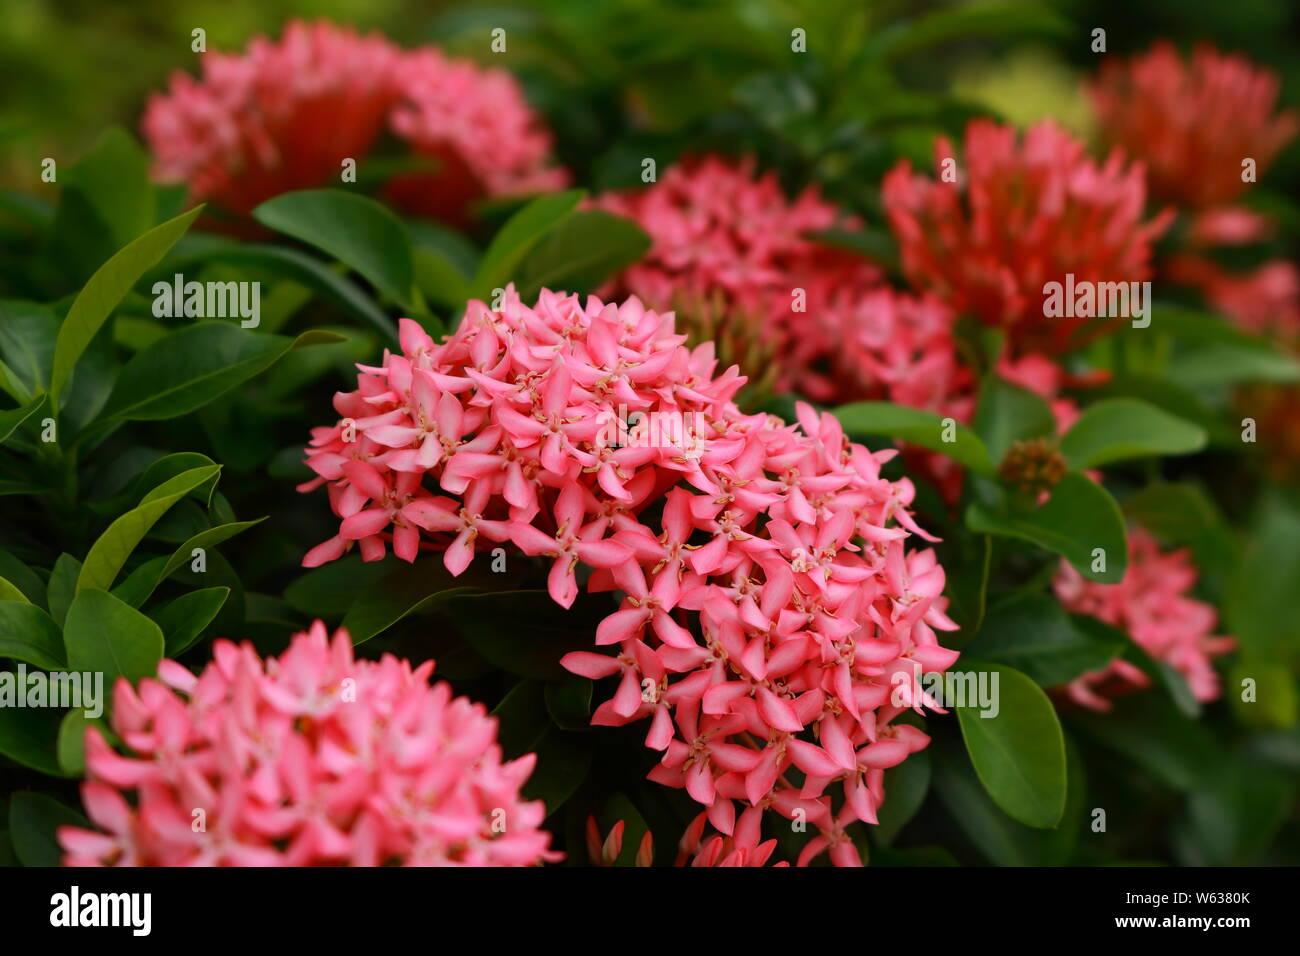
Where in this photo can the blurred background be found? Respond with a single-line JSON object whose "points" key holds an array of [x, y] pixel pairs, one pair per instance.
{"points": [[712, 70]]}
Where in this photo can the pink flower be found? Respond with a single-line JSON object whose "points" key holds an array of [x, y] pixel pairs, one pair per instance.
{"points": [[309, 758], [766, 593], [1192, 121], [1264, 300], [282, 116], [728, 242], [286, 114], [474, 122], [1152, 604], [1020, 215]]}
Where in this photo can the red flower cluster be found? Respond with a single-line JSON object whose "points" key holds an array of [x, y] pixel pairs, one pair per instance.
{"points": [[1018, 216]]}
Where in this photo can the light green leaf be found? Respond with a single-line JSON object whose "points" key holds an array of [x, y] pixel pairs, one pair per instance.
{"points": [[29, 634], [519, 235], [114, 546], [1118, 428], [918, 427], [106, 288]]}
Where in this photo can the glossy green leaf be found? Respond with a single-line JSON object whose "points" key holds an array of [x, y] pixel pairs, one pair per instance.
{"points": [[194, 365], [106, 288], [34, 820], [1019, 752], [1118, 428], [586, 248], [1033, 634], [519, 235], [182, 621], [29, 634], [1007, 413], [1074, 522], [114, 546], [107, 635], [918, 427], [358, 231]]}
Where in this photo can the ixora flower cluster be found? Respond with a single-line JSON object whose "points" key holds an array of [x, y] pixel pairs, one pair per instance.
{"points": [[286, 115], [1206, 127], [1152, 605], [309, 758], [1015, 216], [769, 602], [729, 243]]}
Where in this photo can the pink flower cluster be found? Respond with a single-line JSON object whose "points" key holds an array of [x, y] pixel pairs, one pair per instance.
{"points": [[1152, 605], [309, 758], [726, 240], [285, 115], [1019, 215], [1192, 121], [767, 592]]}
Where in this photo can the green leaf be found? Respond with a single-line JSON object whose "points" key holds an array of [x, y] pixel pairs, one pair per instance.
{"points": [[107, 635], [1007, 413], [62, 586], [519, 235], [1260, 606], [1181, 515], [105, 201], [358, 231], [997, 20], [1033, 634], [71, 746], [29, 634], [918, 427], [28, 331], [440, 280], [29, 736], [289, 263], [1149, 730], [22, 577], [404, 591], [10, 592], [905, 788], [330, 590], [1118, 428], [1160, 673], [1080, 517], [1236, 818], [524, 728], [568, 701], [1215, 353], [11, 419], [106, 288], [1019, 754], [183, 620], [194, 365], [34, 820], [524, 632], [136, 590], [1002, 840], [114, 546], [586, 248]]}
